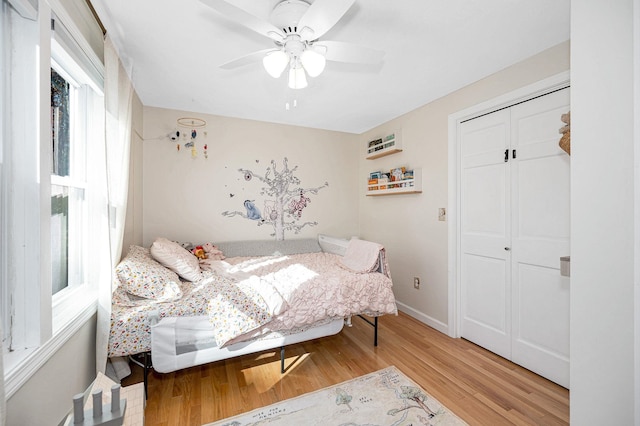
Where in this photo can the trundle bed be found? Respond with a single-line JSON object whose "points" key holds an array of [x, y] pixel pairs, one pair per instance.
{"points": [[246, 297]]}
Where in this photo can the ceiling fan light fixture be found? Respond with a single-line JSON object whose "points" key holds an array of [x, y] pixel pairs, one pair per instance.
{"points": [[313, 62], [297, 77], [275, 63]]}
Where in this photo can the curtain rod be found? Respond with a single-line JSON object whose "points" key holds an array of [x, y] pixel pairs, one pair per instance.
{"points": [[95, 15]]}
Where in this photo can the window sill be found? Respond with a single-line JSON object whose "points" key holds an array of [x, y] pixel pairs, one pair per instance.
{"points": [[68, 304], [20, 366]]}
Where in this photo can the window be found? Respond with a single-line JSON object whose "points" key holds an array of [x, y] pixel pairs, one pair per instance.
{"points": [[68, 183], [74, 129], [50, 200]]}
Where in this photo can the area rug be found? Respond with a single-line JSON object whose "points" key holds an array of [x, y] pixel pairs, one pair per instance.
{"points": [[386, 397]]}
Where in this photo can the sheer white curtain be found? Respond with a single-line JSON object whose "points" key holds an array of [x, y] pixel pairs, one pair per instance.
{"points": [[118, 103], [100, 263]]}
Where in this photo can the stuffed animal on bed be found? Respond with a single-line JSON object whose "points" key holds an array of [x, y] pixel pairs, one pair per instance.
{"points": [[198, 251], [212, 252], [213, 255]]}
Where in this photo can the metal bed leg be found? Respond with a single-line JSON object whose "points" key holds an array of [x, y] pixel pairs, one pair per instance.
{"points": [[146, 373], [282, 359], [375, 332], [374, 324]]}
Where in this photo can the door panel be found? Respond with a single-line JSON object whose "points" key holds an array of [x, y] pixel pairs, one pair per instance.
{"points": [[487, 315], [485, 201], [543, 198], [538, 301], [540, 212], [541, 328], [485, 267]]}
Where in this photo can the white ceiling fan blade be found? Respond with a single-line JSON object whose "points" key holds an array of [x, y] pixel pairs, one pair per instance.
{"points": [[321, 16], [346, 52], [246, 59], [245, 18]]}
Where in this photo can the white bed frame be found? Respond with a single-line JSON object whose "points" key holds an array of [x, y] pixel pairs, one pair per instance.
{"points": [[173, 345], [182, 342]]}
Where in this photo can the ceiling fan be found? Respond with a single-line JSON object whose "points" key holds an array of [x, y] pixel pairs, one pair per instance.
{"points": [[296, 27]]}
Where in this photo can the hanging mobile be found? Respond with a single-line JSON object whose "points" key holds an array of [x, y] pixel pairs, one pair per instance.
{"points": [[175, 137], [188, 139]]}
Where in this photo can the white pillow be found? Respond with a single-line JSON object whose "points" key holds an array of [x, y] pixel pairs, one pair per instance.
{"points": [[175, 257]]}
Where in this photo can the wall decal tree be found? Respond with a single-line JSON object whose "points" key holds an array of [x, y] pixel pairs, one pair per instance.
{"points": [[286, 200]]}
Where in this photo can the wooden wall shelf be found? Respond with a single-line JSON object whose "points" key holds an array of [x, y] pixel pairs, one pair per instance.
{"points": [[405, 186], [387, 145]]}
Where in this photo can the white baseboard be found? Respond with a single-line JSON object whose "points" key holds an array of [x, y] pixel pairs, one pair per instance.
{"points": [[431, 322]]}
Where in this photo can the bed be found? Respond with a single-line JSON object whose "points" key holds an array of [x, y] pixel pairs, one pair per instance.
{"points": [[244, 297]]}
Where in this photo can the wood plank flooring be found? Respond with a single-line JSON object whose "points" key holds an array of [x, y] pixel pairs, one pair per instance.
{"points": [[479, 386]]}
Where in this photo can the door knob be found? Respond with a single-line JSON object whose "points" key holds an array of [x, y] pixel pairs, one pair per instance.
{"points": [[507, 248]]}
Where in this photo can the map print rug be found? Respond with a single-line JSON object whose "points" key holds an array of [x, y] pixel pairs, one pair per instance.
{"points": [[386, 397]]}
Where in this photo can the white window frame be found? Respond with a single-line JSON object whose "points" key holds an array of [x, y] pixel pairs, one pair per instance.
{"points": [[51, 320], [71, 55], [63, 62], [21, 243]]}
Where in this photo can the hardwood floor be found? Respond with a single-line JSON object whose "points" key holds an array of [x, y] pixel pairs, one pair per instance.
{"points": [[479, 386]]}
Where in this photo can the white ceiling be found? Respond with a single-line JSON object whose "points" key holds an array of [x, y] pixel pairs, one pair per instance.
{"points": [[432, 48]]}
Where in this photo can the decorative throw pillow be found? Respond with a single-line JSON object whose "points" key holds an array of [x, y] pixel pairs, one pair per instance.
{"points": [[177, 258], [142, 276]]}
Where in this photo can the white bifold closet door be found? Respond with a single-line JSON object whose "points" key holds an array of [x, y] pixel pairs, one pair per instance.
{"points": [[515, 206]]}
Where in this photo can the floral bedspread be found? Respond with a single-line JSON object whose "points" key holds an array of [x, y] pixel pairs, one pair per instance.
{"points": [[130, 318]]}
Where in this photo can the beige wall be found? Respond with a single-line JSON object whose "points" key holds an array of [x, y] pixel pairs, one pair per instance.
{"points": [[408, 225], [183, 198]]}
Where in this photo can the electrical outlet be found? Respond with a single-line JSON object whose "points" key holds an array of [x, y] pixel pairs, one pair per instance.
{"points": [[416, 283], [442, 214]]}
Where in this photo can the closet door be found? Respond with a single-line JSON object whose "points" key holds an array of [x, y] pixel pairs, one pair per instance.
{"points": [[540, 212], [514, 219], [485, 268]]}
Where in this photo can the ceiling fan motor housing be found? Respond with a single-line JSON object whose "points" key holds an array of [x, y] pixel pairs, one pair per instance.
{"points": [[287, 14]]}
